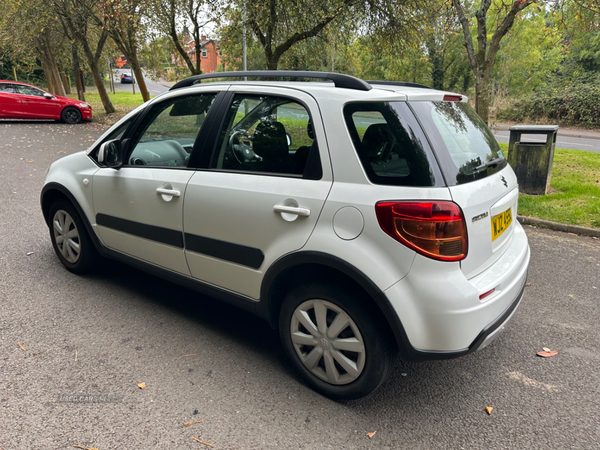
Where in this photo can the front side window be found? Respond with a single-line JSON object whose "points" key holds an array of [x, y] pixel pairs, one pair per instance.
{"points": [[265, 134], [465, 146], [168, 133], [28, 90], [391, 145]]}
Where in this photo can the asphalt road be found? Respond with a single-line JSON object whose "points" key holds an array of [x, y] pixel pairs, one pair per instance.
{"points": [[103, 334], [568, 142], [154, 88]]}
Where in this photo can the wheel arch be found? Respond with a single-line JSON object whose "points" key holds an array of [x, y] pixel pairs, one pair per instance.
{"points": [[70, 106], [55, 191], [292, 269]]}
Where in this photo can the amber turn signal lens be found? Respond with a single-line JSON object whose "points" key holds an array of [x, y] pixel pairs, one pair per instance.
{"points": [[434, 229]]}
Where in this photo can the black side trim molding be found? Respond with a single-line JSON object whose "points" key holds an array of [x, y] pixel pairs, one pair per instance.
{"points": [[154, 233], [236, 253]]}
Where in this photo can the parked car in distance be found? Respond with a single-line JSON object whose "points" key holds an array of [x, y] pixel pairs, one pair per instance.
{"points": [[24, 101], [126, 78], [363, 220]]}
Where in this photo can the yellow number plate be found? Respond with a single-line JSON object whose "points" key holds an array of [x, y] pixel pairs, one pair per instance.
{"points": [[500, 223]]}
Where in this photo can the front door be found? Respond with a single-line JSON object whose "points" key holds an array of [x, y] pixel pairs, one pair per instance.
{"points": [[261, 193], [36, 106], [139, 208]]}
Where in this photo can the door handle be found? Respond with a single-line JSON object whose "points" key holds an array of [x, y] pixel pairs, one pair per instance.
{"points": [[302, 212], [171, 192]]}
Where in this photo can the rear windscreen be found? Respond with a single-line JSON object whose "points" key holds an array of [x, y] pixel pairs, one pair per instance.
{"points": [[463, 144], [391, 145]]}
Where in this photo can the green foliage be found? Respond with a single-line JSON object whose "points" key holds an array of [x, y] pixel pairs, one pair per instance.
{"points": [[574, 102]]}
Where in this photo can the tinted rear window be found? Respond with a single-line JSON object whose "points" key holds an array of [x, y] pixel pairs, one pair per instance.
{"points": [[462, 142], [391, 145]]}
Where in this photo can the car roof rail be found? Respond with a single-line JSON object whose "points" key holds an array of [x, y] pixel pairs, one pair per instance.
{"points": [[400, 83], [339, 80]]}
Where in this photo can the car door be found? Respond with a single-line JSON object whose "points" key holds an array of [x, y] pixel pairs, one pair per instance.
{"points": [[36, 106], [139, 208], [261, 191], [10, 102]]}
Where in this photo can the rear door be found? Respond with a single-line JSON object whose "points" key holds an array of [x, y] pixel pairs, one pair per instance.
{"points": [[480, 180], [10, 102], [261, 190]]}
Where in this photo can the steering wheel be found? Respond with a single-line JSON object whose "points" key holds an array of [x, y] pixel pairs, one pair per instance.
{"points": [[241, 151]]}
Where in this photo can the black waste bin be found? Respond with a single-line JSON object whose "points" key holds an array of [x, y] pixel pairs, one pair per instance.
{"points": [[532, 160]]}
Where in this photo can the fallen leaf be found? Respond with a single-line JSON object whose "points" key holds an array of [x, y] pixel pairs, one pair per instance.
{"points": [[205, 443], [488, 409], [528, 284], [371, 434], [187, 424], [547, 354], [142, 385], [192, 354], [573, 234], [19, 344]]}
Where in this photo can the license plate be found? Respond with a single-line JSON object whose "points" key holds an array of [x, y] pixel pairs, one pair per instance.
{"points": [[500, 223]]}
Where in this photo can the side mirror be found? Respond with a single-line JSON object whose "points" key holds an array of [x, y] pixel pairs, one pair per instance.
{"points": [[48, 95], [111, 154]]}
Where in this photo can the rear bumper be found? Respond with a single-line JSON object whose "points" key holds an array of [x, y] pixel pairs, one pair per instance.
{"points": [[439, 312]]}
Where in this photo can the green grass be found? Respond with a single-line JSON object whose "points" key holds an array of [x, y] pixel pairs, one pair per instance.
{"points": [[574, 194], [124, 102]]}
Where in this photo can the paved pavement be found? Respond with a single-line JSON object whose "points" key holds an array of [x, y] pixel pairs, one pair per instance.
{"points": [[105, 333]]}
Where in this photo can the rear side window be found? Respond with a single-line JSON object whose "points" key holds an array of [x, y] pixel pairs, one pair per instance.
{"points": [[391, 145], [464, 146]]}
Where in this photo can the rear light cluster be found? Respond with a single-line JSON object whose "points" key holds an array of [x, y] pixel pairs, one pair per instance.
{"points": [[433, 229]]}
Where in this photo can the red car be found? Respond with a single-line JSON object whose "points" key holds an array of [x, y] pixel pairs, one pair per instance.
{"points": [[23, 101]]}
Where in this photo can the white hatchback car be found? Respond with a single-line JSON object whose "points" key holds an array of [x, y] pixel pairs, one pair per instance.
{"points": [[361, 219]]}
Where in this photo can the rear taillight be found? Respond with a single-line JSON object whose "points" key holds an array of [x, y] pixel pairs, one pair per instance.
{"points": [[434, 229]]}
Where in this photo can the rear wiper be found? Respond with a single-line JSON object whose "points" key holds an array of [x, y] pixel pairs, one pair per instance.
{"points": [[491, 163]]}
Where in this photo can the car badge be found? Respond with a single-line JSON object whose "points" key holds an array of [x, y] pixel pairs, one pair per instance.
{"points": [[479, 217], [504, 180]]}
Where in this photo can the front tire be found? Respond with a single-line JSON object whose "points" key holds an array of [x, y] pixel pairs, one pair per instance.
{"points": [[335, 341], [70, 239], [71, 115]]}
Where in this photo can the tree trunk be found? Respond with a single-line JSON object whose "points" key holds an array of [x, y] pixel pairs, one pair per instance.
{"points": [[139, 77], [77, 73], [47, 75], [93, 62], [482, 99], [66, 83]]}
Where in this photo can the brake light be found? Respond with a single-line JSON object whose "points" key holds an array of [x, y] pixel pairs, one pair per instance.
{"points": [[433, 229], [452, 98]]}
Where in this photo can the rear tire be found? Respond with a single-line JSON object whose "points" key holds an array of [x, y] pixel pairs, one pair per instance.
{"points": [[335, 340], [71, 115], [70, 239]]}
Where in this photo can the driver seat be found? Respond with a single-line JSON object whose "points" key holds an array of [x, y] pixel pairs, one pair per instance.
{"points": [[270, 143]]}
